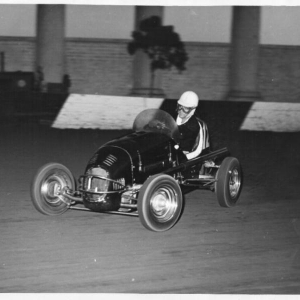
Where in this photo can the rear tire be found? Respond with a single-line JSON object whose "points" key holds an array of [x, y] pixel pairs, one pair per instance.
{"points": [[160, 203], [46, 186], [229, 182]]}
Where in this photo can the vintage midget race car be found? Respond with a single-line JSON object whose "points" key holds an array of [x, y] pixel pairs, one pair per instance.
{"points": [[142, 174]]}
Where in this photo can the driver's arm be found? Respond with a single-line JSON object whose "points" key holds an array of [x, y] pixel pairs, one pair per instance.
{"points": [[199, 148]]}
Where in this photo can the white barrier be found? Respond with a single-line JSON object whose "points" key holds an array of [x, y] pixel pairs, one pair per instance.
{"points": [[119, 112], [273, 116], [102, 112]]}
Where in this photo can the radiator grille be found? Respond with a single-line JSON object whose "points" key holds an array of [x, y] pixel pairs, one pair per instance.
{"points": [[96, 184], [110, 160]]}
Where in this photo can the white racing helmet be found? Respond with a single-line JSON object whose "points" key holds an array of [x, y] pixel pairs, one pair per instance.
{"points": [[189, 99]]}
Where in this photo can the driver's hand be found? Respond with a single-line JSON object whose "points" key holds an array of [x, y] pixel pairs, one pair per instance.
{"points": [[160, 126]]}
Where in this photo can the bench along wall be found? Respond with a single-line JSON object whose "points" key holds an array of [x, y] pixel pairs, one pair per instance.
{"points": [[104, 67]]}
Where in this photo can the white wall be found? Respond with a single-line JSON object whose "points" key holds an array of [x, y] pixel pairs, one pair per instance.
{"points": [[103, 112]]}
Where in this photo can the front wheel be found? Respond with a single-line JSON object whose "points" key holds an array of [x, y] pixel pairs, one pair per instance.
{"points": [[47, 187], [160, 203], [229, 182]]}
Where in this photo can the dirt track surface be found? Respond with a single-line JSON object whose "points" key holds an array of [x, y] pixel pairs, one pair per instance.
{"points": [[253, 248]]}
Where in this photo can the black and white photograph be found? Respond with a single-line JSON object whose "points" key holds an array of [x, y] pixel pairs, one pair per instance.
{"points": [[149, 149]]}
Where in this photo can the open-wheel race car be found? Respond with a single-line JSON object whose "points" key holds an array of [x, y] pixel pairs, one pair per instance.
{"points": [[141, 174]]}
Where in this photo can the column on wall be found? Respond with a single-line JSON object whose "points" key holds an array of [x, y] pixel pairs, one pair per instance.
{"points": [[50, 50], [245, 54], [141, 62]]}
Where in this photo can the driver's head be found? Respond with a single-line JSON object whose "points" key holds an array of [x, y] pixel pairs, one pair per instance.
{"points": [[187, 103]]}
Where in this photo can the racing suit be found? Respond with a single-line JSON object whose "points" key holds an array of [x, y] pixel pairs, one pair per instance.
{"points": [[188, 134]]}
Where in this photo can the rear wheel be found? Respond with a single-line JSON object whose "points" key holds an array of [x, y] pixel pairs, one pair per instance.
{"points": [[160, 203], [229, 182], [47, 186]]}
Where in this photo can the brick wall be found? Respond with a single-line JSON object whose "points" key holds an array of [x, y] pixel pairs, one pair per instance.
{"points": [[99, 66], [279, 76], [102, 66], [206, 72], [19, 53]]}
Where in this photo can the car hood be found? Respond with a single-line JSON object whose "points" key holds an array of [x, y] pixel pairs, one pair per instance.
{"points": [[127, 154]]}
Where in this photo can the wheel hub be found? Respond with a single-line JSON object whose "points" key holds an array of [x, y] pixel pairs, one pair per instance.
{"points": [[163, 204], [234, 183], [159, 203], [51, 189]]}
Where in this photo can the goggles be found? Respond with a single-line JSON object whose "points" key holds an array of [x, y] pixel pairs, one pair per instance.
{"points": [[184, 108]]}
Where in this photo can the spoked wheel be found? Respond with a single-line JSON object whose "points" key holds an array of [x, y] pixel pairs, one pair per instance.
{"points": [[47, 187], [160, 203], [229, 182]]}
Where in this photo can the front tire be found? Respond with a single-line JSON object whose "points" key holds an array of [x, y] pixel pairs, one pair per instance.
{"points": [[46, 188], [229, 182], [160, 203]]}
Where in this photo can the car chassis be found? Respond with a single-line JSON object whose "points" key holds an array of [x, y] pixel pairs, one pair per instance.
{"points": [[155, 194]]}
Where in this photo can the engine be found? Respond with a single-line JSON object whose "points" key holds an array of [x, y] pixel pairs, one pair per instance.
{"points": [[119, 166]]}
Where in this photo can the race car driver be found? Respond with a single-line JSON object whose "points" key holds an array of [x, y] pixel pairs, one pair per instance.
{"points": [[194, 138]]}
